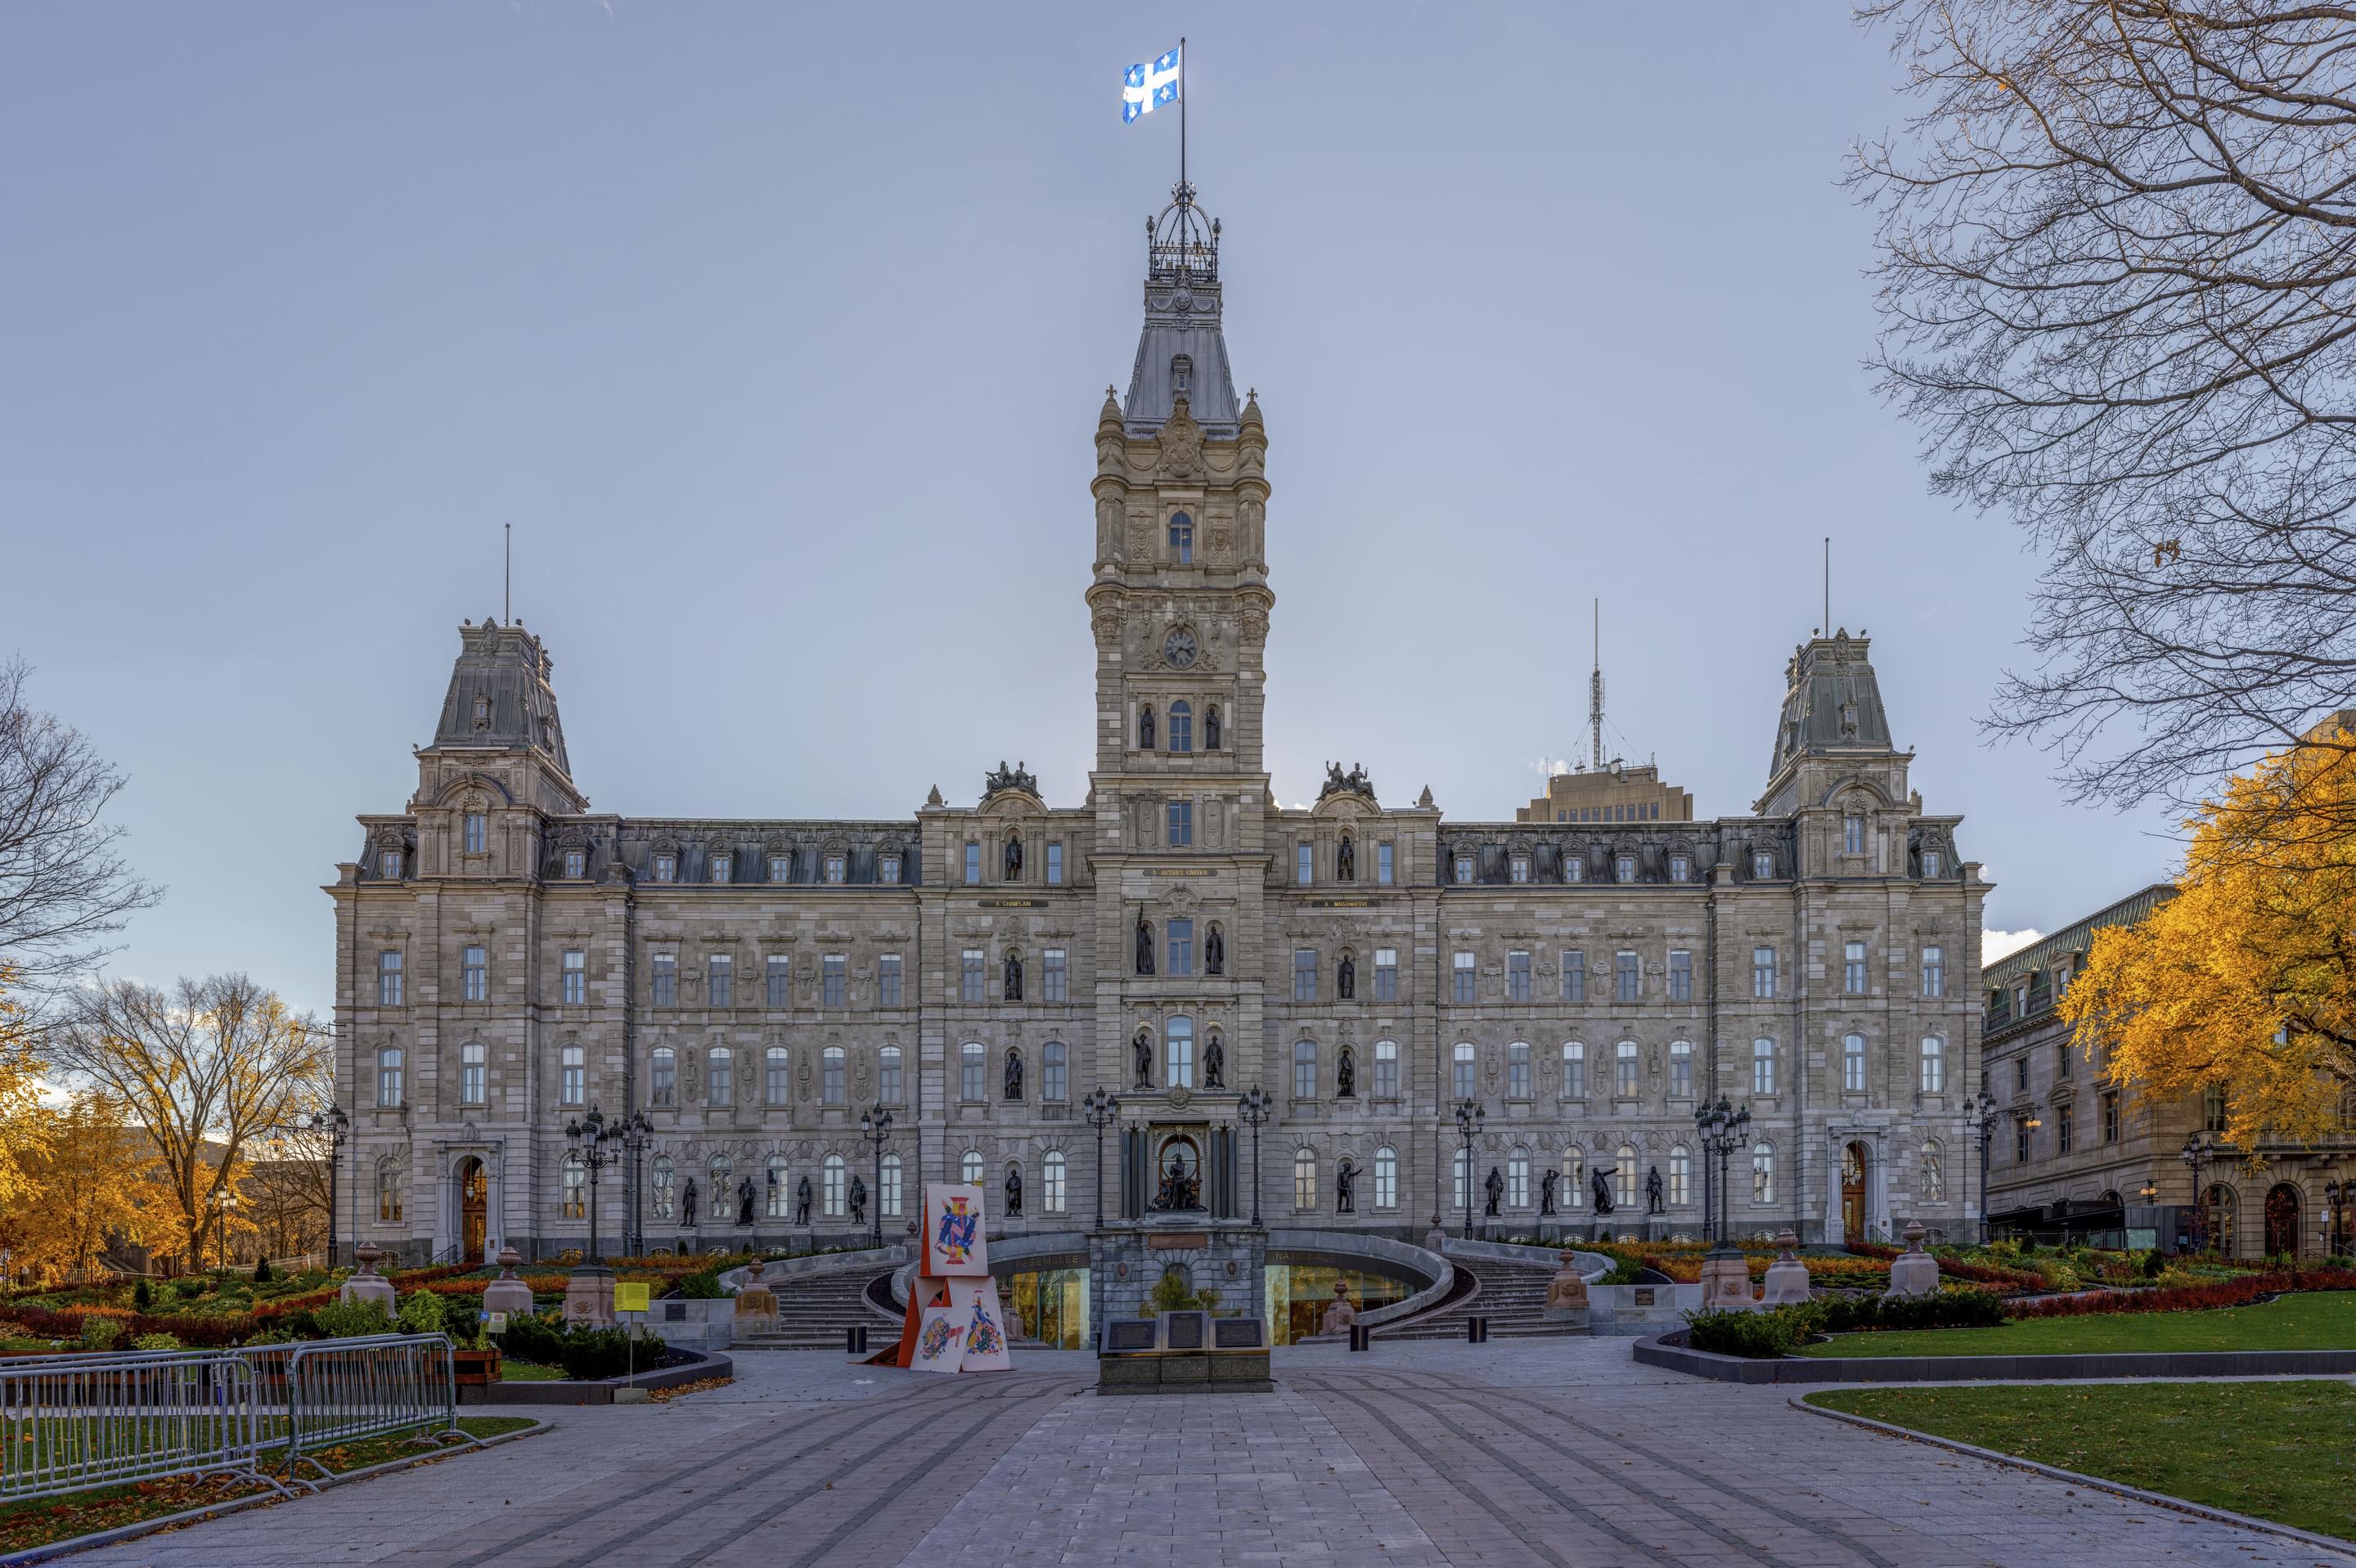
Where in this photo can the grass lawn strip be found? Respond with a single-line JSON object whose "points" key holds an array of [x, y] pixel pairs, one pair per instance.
{"points": [[2275, 1451], [44, 1521], [2317, 1320], [513, 1371]]}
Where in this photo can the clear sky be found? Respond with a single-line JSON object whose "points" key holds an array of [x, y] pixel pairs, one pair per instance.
{"points": [[778, 332]]}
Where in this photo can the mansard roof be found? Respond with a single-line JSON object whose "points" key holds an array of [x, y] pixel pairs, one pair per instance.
{"points": [[499, 694], [1832, 702], [1181, 324]]}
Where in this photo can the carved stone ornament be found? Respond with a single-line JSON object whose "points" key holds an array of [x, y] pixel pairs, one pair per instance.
{"points": [[1181, 440], [1106, 624]]}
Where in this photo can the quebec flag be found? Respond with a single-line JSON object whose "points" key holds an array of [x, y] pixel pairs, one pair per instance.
{"points": [[1147, 88]]}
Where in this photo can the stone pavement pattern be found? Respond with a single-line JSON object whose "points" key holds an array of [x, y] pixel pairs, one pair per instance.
{"points": [[1557, 1452]]}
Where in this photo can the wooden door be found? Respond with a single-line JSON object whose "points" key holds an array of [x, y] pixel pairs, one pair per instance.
{"points": [[474, 1192], [1853, 1193], [2282, 1221]]}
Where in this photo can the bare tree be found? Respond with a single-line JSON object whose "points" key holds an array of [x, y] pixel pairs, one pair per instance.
{"points": [[63, 886], [206, 1068], [287, 1187], [2118, 282]]}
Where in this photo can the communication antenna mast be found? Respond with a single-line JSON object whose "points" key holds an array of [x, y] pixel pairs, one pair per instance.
{"points": [[1595, 690]]}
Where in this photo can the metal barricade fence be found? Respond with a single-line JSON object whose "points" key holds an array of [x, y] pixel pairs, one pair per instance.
{"points": [[343, 1391]]}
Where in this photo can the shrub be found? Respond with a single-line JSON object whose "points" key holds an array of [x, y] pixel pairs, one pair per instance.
{"points": [[702, 1286], [142, 1296], [2152, 1263], [1759, 1336], [421, 1313], [270, 1337], [261, 1270], [100, 1333], [349, 1319], [157, 1342], [595, 1353], [533, 1336]]}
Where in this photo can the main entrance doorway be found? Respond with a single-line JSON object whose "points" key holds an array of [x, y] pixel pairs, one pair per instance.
{"points": [[1853, 1193], [474, 1210], [2282, 1221]]}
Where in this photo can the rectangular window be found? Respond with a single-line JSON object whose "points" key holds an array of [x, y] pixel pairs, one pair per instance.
{"points": [[719, 1078], [1182, 947], [2065, 1128], [1627, 977], [888, 992], [576, 863], [780, 977], [476, 833], [576, 977], [1681, 976], [781, 868], [838, 868], [476, 976], [1304, 1072], [1934, 864], [1463, 869], [1681, 1083], [1574, 977], [1624, 868], [720, 978], [1852, 835], [1680, 1178], [1517, 869], [1303, 865], [1763, 1175], [1055, 865], [1387, 1077], [1464, 973], [887, 869], [2020, 1140], [973, 864], [1935, 1064], [1304, 974], [776, 1084], [887, 1079], [1574, 1070], [830, 1075], [971, 974], [1680, 868], [387, 979], [1181, 824], [722, 868], [1055, 983], [666, 867], [1054, 1072], [2111, 1117], [572, 1084], [1517, 976], [1517, 1071], [663, 980], [1383, 865], [1763, 1067], [2020, 1074], [1934, 971], [2061, 1055], [662, 1077], [1387, 973], [1625, 1081], [472, 1072], [1853, 969], [834, 980], [1762, 867], [1853, 1064]]}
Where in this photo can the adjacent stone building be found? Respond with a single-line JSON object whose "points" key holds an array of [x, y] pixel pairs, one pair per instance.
{"points": [[508, 957]]}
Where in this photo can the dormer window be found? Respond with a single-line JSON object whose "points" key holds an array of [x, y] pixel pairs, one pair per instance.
{"points": [[666, 867], [1849, 720], [1520, 869], [576, 864], [1463, 869], [482, 711], [887, 869], [1762, 866], [1933, 863], [1574, 868], [1680, 869], [1181, 540], [781, 868], [1623, 868], [722, 866], [389, 865], [834, 868], [1181, 376]]}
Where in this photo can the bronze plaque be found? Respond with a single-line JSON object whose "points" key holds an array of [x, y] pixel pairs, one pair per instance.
{"points": [[1644, 1295], [1179, 1241]]}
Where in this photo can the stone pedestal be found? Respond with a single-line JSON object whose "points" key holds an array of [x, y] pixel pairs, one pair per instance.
{"points": [[1914, 1271], [1787, 1276], [507, 1294], [1341, 1317], [757, 1304], [1436, 1239], [589, 1296], [1566, 1299], [1726, 1282], [365, 1284], [1129, 1257]]}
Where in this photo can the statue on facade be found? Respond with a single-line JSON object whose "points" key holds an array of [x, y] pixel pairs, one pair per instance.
{"points": [[1145, 728], [1214, 952], [1345, 860], [1014, 976], [802, 1202], [1181, 1186], [1495, 1188], [1016, 777], [1653, 1191], [687, 1204], [745, 1201], [1600, 1186], [1014, 1191], [1546, 1191], [1345, 1175], [1013, 855], [1346, 978], [1214, 1064], [1211, 728], [1144, 944], [1345, 1075], [858, 1198], [1354, 782], [1014, 1075], [1143, 1048]]}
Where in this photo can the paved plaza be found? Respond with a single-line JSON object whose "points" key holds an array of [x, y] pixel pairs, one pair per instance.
{"points": [[1550, 1451]]}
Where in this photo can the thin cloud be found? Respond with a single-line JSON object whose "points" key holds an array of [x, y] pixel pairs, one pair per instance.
{"points": [[1996, 945]]}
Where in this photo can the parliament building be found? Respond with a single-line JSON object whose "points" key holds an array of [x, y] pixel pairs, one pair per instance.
{"points": [[507, 959]]}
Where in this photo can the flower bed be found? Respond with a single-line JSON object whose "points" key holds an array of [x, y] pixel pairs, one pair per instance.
{"points": [[2238, 1292]]}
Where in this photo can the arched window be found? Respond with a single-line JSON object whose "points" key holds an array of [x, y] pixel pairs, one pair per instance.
{"points": [[1462, 1081], [969, 1167], [1624, 1069], [1935, 1065], [1304, 1070], [1055, 1074], [1853, 1064], [387, 1076], [971, 1061], [889, 1198], [720, 1197], [830, 1072], [1762, 1066], [1574, 1070], [1574, 1179], [388, 1192], [665, 1184], [1178, 1053], [1304, 1179], [577, 1188], [776, 1084], [1182, 538], [1051, 1182], [2220, 1220], [780, 1190], [719, 1076], [472, 1072], [1181, 726], [1934, 1174], [834, 1179], [887, 1078], [1763, 1173], [1387, 1177], [1680, 1176], [662, 1076], [1623, 1175], [1145, 726], [1517, 1177], [572, 1083], [1386, 1069], [1517, 1070]]}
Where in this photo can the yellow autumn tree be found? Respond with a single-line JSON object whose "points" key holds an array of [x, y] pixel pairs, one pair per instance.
{"points": [[2245, 981], [24, 1128], [95, 1184]]}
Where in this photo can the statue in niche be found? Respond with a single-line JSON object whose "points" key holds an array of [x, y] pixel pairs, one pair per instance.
{"points": [[1182, 1185], [1495, 1188], [1013, 855], [1346, 978], [1599, 1186], [1345, 1075], [1546, 1191], [1014, 1191], [1143, 1050], [1144, 945], [1214, 1064], [745, 1201], [1345, 1175], [802, 1202], [1145, 728], [1014, 1075], [1653, 1191], [1345, 860], [1014, 976], [1214, 952], [687, 1204], [858, 1198], [1211, 728]]}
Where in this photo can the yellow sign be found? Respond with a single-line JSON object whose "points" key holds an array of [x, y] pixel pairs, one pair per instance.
{"points": [[630, 1298]]}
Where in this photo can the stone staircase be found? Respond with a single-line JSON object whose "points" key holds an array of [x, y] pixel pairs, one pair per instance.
{"points": [[813, 1310], [1512, 1296]]}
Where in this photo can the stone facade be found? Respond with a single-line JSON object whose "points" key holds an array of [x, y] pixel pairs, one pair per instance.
{"points": [[507, 957]]}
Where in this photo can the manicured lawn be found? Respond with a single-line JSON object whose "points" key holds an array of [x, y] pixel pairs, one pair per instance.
{"points": [[2313, 1320], [2277, 1450], [515, 1371]]}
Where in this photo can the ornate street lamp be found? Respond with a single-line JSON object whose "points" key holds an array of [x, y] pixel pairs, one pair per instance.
{"points": [[224, 1205], [2192, 1154], [2338, 1194], [1979, 1112], [1101, 1109], [1722, 1130], [1470, 1115], [638, 1136], [333, 1122], [594, 1140], [877, 1127], [1255, 1107]]}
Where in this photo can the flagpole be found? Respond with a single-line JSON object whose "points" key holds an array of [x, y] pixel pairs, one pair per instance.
{"points": [[1181, 109]]}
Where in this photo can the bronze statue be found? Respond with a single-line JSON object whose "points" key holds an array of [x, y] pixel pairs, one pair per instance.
{"points": [[1143, 1049], [1214, 952], [1346, 978], [1344, 1175], [1345, 1076], [858, 1198], [687, 1204], [1181, 1188], [1013, 856], [1145, 728], [1014, 976], [745, 1201], [1345, 860], [1144, 945], [1600, 1185], [1546, 1191], [802, 1202], [1214, 1064], [1013, 1074], [1495, 1187], [1014, 1191], [1211, 728], [1653, 1191]]}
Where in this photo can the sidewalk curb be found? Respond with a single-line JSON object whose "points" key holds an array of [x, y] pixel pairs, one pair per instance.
{"points": [[2343, 1549]]}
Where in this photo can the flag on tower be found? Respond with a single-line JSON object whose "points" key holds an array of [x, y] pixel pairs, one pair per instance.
{"points": [[1147, 88]]}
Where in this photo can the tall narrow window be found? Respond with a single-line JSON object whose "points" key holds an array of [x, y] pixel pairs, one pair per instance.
{"points": [[1853, 1063], [723, 1172], [1762, 867], [1181, 540], [1304, 1179], [1517, 976], [1304, 1070], [2065, 1127], [1386, 1069], [2111, 1116], [837, 868], [1680, 1177], [1462, 1081], [1517, 868], [973, 864], [829, 1065], [1055, 978], [1053, 1191], [1518, 1178], [1681, 868], [1853, 969], [1178, 1050], [971, 1064], [662, 980], [1055, 865], [1181, 726], [723, 869], [1763, 1173], [1852, 835], [780, 973], [388, 980], [720, 979], [1462, 869], [576, 864], [576, 1189], [1304, 974], [1304, 865], [1763, 974], [1681, 1072], [1574, 1070], [1462, 1161], [834, 980], [576, 976], [1386, 974], [1462, 972], [972, 972], [720, 1076], [888, 990], [662, 1076], [835, 1182], [1681, 976], [776, 1180], [1180, 945], [387, 1076], [1935, 1175], [1517, 1070], [573, 1086], [1383, 865], [1763, 1067], [1624, 868], [1933, 863], [889, 1198], [1626, 1071], [1934, 970], [1181, 824], [1574, 1179], [1627, 976], [1055, 1072], [388, 865], [1935, 1065], [888, 1086], [776, 1084], [1387, 1177], [664, 1183], [475, 833], [1574, 977]]}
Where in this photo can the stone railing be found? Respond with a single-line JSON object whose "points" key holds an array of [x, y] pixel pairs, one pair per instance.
{"points": [[1593, 1267], [777, 1270], [1349, 1249]]}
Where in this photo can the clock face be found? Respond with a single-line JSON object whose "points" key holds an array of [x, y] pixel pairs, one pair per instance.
{"points": [[1178, 648]]}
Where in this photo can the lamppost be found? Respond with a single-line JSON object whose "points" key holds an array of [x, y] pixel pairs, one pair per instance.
{"points": [[2338, 1194], [1469, 1117], [1721, 1127], [2192, 1154], [224, 1205], [876, 1125], [333, 1122], [1101, 1109], [1254, 1107], [593, 1139], [1979, 1111], [638, 1136]]}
